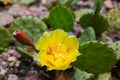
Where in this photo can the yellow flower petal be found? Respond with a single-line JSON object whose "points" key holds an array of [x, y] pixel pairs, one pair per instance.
{"points": [[57, 36], [71, 43], [41, 44]]}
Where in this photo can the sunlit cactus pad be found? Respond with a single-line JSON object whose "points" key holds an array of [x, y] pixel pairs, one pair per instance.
{"points": [[61, 17], [98, 22], [96, 58], [114, 18], [32, 26], [116, 48], [5, 37], [79, 13], [105, 76]]}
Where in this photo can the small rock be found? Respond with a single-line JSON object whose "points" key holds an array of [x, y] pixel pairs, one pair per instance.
{"points": [[22, 72], [11, 59], [14, 53], [11, 51], [17, 64], [38, 11], [5, 56], [4, 64], [12, 77], [108, 4], [32, 75], [11, 64], [18, 10], [3, 72], [6, 19]]}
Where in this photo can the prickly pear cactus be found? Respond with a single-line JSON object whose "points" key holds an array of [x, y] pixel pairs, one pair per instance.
{"points": [[96, 58], [97, 6], [87, 35], [32, 26], [5, 37], [99, 22], [24, 53], [61, 17], [81, 75], [105, 76], [67, 2], [79, 13], [114, 18], [116, 48]]}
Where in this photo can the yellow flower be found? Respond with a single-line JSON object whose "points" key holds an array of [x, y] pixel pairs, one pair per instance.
{"points": [[5, 2], [57, 50]]}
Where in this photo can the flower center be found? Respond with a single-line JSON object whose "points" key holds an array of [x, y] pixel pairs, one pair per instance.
{"points": [[58, 51]]}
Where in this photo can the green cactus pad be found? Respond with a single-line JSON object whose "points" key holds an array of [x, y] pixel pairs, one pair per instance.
{"points": [[61, 17], [114, 18], [80, 75], [96, 58], [5, 37], [79, 13], [87, 35], [32, 26], [116, 48], [98, 22]]}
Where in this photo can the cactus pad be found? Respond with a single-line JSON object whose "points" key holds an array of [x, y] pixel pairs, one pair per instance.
{"points": [[96, 58], [32, 26], [114, 18], [61, 17], [105, 76], [79, 13], [116, 48], [5, 37], [81, 75], [99, 22], [87, 35]]}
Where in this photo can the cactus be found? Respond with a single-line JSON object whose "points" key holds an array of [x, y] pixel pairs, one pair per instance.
{"points": [[97, 6], [79, 13], [80, 75], [5, 37], [67, 2], [106, 39], [87, 35], [24, 53], [105, 76], [116, 48], [95, 19], [114, 18], [32, 26], [99, 22], [96, 58], [61, 17]]}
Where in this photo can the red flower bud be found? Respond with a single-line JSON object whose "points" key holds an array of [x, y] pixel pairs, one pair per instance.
{"points": [[22, 37]]}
